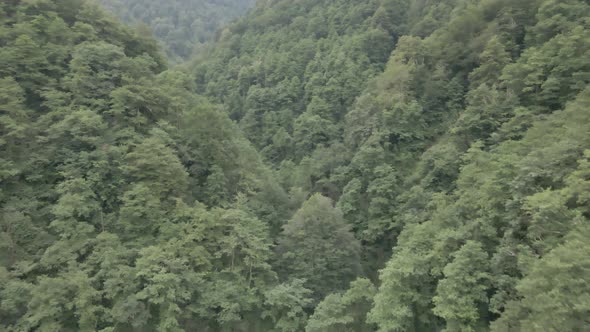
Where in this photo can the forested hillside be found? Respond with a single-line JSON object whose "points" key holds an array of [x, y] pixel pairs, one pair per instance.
{"points": [[182, 26], [128, 202], [327, 165]]}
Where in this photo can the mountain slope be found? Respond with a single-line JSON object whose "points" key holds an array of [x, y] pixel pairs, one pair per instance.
{"points": [[400, 151], [389, 165], [127, 202]]}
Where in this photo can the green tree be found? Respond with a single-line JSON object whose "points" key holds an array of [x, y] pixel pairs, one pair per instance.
{"points": [[346, 311], [287, 305], [317, 245], [463, 289], [553, 296]]}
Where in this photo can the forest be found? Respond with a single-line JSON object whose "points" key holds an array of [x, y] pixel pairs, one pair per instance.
{"points": [[285, 166]]}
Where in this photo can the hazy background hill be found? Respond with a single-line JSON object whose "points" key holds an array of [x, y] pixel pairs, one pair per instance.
{"points": [[182, 26]]}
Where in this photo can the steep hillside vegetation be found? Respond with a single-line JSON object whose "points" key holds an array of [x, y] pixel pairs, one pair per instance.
{"points": [[462, 154], [386, 165], [127, 202]]}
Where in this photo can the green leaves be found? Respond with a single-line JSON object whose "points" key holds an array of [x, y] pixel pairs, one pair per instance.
{"points": [[156, 165], [168, 280], [50, 307], [13, 115], [551, 73]]}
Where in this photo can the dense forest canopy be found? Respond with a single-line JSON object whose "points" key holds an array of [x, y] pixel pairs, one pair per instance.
{"points": [[182, 26], [380, 165]]}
